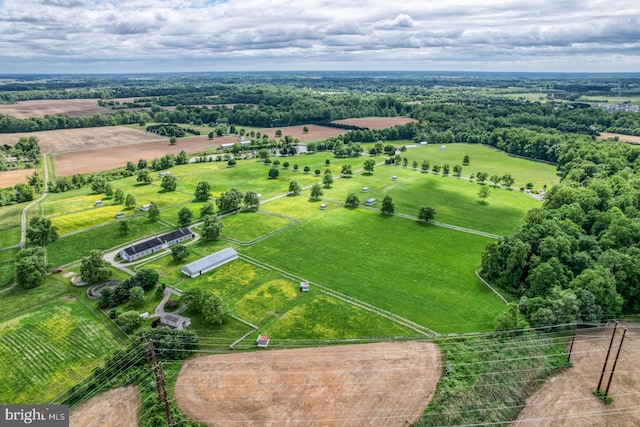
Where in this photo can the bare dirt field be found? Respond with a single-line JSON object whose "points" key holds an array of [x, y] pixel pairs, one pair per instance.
{"points": [[626, 138], [375, 123], [52, 107], [66, 140], [384, 384], [114, 408], [117, 155], [566, 399], [11, 178]]}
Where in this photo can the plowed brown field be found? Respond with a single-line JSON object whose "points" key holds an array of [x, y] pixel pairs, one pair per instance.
{"points": [[384, 384], [52, 107], [566, 400], [114, 408], [377, 122], [117, 154]]}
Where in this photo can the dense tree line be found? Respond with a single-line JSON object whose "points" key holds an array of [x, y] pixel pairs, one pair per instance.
{"points": [[575, 258]]}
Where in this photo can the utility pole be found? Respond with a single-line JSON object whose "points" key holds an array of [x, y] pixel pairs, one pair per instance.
{"points": [[613, 369], [606, 360], [161, 384], [571, 346]]}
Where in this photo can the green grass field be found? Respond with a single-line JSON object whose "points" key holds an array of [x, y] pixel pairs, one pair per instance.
{"points": [[424, 273], [47, 349], [10, 224]]}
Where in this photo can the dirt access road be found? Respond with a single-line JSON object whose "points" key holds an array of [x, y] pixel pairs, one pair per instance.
{"points": [[566, 400], [382, 384]]}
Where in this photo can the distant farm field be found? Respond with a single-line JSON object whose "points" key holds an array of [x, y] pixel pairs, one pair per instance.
{"points": [[118, 154], [377, 122], [70, 140], [18, 176], [53, 107], [625, 138], [47, 349]]}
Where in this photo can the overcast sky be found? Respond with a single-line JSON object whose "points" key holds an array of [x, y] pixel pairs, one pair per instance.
{"points": [[61, 36]]}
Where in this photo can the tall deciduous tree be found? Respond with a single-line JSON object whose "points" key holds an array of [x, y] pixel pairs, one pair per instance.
{"points": [[251, 200], [230, 200], [484, 193], [316, 191], [294, 187], [212, 228], [30, 267], [327, 180], [94, 269], [130, 201], [154, 212], [369, 164], [169, 183], [184, 216], [203, 191], [352, 201], [41, 231], [387, 206], [118, 196], [426, 214], [144, 176], [179, 253], [206, 209]]}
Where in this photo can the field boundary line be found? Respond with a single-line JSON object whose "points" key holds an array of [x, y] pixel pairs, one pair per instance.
{"points": [[423, 330], [491, 287]]}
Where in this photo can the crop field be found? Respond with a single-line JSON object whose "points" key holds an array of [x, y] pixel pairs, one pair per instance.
{"points": [[424, 273], [376, 123], [90, 157], [355, 385], [18, 176], [52, 107], [47, 349]]}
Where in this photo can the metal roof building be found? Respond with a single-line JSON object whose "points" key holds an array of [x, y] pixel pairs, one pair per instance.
{"points": [[210, 262], [154, 244]]}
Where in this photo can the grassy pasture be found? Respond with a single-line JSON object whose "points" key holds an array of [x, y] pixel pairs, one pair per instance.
{"points": [[455, 200], [486, 159], [48, 349], [424, 273], [10, 224], [247, 226], [319, 316], [18, 299]]}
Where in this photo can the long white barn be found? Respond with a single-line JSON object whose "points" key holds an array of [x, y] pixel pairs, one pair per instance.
{"points": [[209, 262], [157, 243]]}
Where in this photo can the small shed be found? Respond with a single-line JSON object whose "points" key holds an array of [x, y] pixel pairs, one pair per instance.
{"points": [[163, 174], [304, 286], [262, 341], [120, 215], [423, 142], [323, 206], [97, 203], [145, 207], [394, 178], [370, 201], [365, 189], [442, 147]]}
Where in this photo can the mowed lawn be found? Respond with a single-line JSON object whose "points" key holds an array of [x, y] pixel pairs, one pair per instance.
{"points": [[48, 349], [424, 273]]}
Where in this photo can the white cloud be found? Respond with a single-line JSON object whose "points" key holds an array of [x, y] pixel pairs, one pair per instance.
{"points": [[79, 35]]}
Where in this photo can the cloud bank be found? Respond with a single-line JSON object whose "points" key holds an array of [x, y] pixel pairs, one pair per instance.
{"points": [[160, 35]]}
